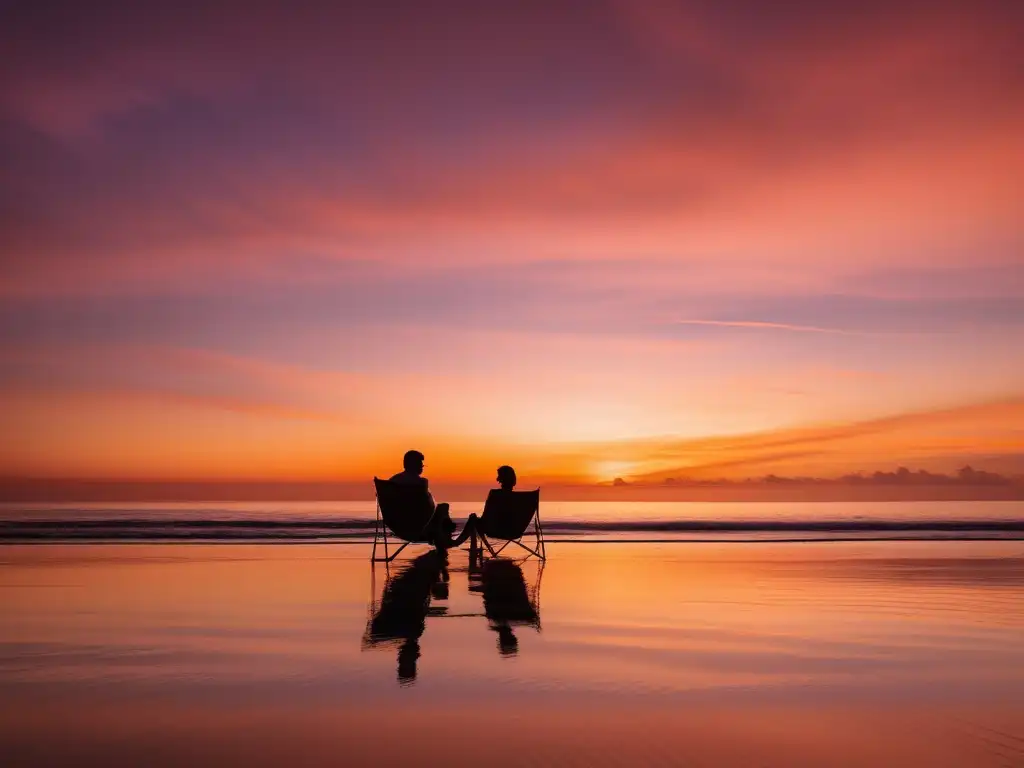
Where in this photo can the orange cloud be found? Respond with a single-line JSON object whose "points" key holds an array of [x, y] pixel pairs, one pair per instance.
{"points": [[935, 439], [765, 324]]}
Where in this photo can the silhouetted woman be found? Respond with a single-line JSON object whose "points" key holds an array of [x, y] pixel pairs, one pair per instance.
{"points": [[507, 480]]}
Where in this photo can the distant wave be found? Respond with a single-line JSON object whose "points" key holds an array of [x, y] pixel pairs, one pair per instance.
{"points": [[350, 529]]}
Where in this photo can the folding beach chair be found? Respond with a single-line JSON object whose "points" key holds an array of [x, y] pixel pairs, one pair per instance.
{"points": [[507, 515], [406, 511]]}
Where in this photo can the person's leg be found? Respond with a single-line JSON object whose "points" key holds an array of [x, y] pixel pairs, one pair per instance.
{"points": [[443, 527], [467, 531], [444, 518]]}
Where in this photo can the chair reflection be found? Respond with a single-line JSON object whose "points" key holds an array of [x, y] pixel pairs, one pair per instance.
{"points": [[508, 601], [399, 618]]}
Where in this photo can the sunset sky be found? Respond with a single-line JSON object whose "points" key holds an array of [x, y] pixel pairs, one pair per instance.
{"points": [[591, 239]]}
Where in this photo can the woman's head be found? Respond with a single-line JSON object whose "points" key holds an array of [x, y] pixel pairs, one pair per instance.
{"points": [[506, 477]]}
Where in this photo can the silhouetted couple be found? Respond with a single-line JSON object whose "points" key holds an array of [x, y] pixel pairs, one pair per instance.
{"points": [[442, 525]]}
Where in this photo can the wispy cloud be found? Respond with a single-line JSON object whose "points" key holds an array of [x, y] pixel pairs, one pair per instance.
{"points": [[764, 324]]}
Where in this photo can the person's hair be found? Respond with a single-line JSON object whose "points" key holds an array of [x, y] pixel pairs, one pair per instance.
{"points": [[411, 457], [506, 475]]}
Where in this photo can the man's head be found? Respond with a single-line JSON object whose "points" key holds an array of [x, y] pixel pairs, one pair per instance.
{"points": [[413, 462], [506, 477]]}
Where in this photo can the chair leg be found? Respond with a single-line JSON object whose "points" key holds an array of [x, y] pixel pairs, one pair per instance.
{"points": [[541, 549], [537, 551], [488, 545], [388, 557], [397, 552], [533, 552]]}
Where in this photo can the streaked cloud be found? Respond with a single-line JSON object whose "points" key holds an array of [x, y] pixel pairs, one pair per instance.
{"points": [[513, 225], [953, 436], [762, 324]]}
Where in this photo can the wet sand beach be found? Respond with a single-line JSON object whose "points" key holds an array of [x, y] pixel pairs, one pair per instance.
{"points": [[850, 653]]}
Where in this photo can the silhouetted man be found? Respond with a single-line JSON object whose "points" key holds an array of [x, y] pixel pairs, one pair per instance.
{"points": [[507, 480], [412, 472], [412, 475]]}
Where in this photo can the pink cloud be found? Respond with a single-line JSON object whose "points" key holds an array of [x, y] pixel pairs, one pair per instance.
{"points": [[765, 324]]}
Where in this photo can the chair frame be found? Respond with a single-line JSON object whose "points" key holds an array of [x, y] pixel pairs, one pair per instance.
{"points": [[538, 549], [381, 532]]}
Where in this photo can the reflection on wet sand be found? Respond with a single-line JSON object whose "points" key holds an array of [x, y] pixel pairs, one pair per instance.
{"points": [[508, 602], [412, 593], [793, 655], [400, 616]]}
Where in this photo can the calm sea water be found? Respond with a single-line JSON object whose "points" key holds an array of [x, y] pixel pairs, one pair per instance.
{"points": [[563, 520], [765, 654]]}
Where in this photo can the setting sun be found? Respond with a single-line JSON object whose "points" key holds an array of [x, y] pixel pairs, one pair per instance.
{"points": [[606, 471]]}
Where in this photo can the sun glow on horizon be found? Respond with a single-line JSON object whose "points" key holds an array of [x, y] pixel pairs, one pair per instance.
{"points": [[607, 471]]}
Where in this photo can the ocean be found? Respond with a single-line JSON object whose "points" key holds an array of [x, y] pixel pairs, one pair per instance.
{"points": [[579, 521]]}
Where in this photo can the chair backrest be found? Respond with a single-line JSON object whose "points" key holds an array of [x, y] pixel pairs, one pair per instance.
{"points": [[406, 509], [507, 514]]}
